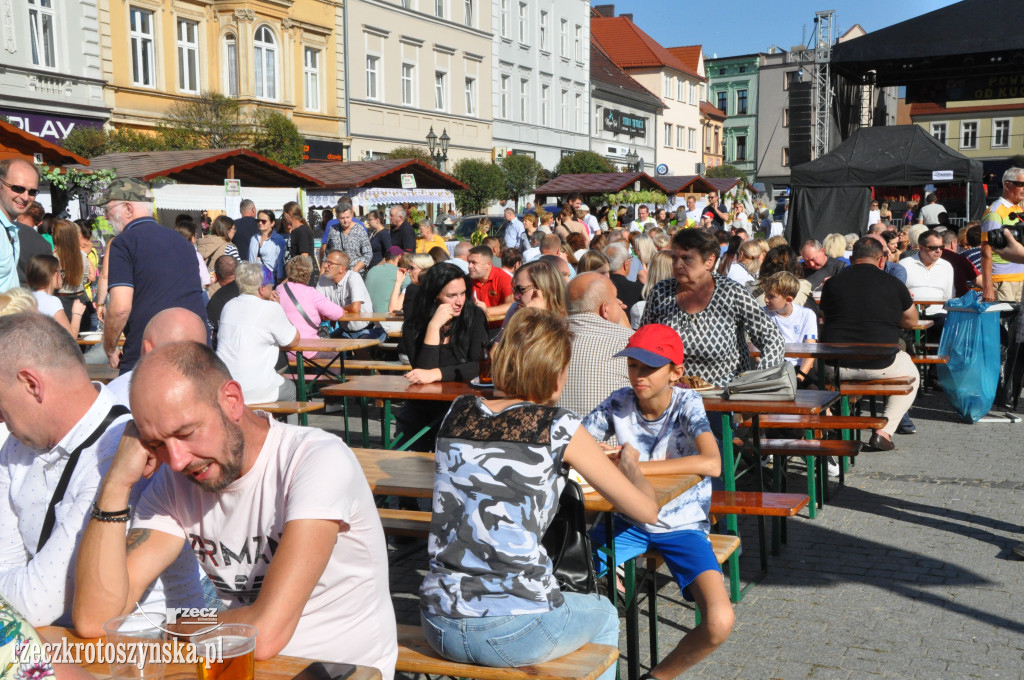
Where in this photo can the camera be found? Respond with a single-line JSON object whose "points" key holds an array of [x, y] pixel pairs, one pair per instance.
{"points": [[996, 237]]}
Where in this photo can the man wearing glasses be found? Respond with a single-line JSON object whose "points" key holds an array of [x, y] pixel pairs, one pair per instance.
{"points": [[929, 277], [1002, 277], [19, 182], [874, 214]]}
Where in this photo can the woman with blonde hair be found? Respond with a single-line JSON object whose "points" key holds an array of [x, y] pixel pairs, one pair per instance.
{"points": [[17, 301], [413, 265], [593, 261], [660, 269], [67, 246], [835, 247], [644, 249], [517, 615], [750, 256], [483, 230], [540, 285]]}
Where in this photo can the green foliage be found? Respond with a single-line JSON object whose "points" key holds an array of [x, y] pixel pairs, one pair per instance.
{"points": [[410, 151], [209, 121], [276, 137], [77, 183], [522, 175], [86, 141], [725, 170], [416, 216], [486, 184], [93, 142], [582, 162], [634, 197]]}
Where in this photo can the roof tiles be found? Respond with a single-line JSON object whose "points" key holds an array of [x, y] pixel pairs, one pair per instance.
{"points": [[629, 47]]}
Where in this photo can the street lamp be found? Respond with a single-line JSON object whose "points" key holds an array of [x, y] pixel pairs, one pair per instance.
{"points": [[440, 155], [631, 159]]}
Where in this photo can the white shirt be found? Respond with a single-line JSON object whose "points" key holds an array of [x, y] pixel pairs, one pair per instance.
{"points": [[800, 326], [251, 332], [119, 387], [528, 256], [48, 304], [739, 273], [694, 214], [343, 293], [935, 283], [874, 217], [930, 213], [39, 583], [462, 264], [592, 225], [300, 473]]}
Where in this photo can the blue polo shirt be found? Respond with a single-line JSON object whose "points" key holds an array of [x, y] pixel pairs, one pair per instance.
{"points": [[9, 250], [161, 267]]}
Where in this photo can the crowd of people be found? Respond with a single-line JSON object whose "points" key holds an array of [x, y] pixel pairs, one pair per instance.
{"points": [[596, 325]]}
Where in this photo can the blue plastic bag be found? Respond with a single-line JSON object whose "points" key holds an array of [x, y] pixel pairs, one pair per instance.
{"points": [[970, 338]]}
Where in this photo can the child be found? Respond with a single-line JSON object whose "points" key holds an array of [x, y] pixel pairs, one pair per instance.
{"points": [[669, 428], [797, 324]]}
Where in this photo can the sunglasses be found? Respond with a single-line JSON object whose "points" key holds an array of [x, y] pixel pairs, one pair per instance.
{"points": [[522, 290], [263, 221], [18, 189], [934, 248], [1010, 181]]}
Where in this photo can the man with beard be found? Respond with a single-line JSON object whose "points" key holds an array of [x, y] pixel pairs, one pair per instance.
{"points": [[279, 517]]}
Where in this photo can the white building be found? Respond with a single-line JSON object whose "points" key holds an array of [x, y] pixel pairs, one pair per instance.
{"points": [[541, 98]]}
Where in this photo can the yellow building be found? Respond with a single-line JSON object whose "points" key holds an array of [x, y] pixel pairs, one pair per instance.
{"points": [[284, 55], [990, 130]]}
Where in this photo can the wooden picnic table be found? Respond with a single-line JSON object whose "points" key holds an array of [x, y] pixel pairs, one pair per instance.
{"points": [[411, 474], [371, 317], [280, 667], [101, 373], [337, 346], [835, 352], [90, 338]]}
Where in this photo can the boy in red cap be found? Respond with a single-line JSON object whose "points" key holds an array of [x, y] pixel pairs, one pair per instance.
{"points": [[670, 429]]}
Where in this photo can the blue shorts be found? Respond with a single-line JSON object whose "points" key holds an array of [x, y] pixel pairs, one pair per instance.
{"points": [[687, 553]]}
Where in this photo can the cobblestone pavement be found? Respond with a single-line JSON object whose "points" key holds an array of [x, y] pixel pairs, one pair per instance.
{"points": [[907, 573]]}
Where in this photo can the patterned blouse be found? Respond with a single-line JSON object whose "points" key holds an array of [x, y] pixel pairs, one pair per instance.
{"points": [[715, 338], [22, 656], [497, 480]]}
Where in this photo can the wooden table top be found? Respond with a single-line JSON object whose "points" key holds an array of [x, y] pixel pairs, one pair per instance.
{"points": [[925, 301], [102, 373], [397, 387], [807, 403], [836, 350], [278, 668], [94, 338], [411, 474], [371, 316], [333, 345], [923, 325]]}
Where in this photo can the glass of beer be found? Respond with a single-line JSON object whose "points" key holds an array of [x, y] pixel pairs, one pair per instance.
{"points": [[485, 364], [138, 638], [227, 652]]}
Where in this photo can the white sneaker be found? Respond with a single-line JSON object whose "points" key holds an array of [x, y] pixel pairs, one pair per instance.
{"points": [[833, 466]]}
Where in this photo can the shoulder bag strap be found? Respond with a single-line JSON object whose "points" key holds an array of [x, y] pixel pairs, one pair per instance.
{"points": [[116, 411], [298, 306]]}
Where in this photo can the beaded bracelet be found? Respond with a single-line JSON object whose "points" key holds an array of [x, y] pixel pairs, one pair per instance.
{"points": [[118, 516]]}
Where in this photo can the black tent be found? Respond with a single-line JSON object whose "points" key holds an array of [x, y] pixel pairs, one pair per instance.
{"points": [[832, 194]]}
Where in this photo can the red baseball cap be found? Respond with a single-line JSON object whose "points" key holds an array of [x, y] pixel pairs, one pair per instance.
{"points": [[655, 345]]}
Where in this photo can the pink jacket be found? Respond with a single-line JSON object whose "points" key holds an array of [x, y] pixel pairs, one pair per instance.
{"points": [[315, 304]]}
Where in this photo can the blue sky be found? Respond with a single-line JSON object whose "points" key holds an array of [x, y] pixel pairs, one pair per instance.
{"points": [[731, 27]]}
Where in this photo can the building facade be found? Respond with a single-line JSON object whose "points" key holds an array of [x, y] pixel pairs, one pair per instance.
{"points": [[732, 85], [51, 78], [625, 114], [712, 120], [541, 98], [416, 65], [286, 56], [680, 88], [989, 130]]}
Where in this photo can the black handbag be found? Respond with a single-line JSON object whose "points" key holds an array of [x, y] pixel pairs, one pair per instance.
{"points": [[567, 543]]}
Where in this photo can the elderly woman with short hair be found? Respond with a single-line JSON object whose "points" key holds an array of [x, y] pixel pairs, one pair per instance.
{"points": [[253, 328], [427, 239], [304, 305]]}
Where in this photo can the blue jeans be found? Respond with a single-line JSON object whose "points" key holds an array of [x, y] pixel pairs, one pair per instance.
{"points": [[520, 640]]}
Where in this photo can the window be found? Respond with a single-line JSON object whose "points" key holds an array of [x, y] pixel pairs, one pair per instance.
{"points": [[969, 134], [265, 51], [723, 101], [785, 117], [721, 71], [790, 78], [470, 96], [41, 29], [681, 90], [141, 25], [680, 131], [691, 142], [741, 102], [565, 38], [939, 132], [408, 84], [524, 87], [693, 95], [581, 121], [311, 77], [440, 90], [667, 134], [469, 13], [372, 77], [505, 84], [743, 69], [188, 56], [439, 9], [544, 31], [1001, 133], [578, 44], [565, 109], [231, 63], [504, 19], [667, 85], [523, 25], [545, 105], [785, 156], [741, 147]]}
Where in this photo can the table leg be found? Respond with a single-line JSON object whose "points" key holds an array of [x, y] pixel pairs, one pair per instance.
{"points": [[729, 481], [385, 433], [300, 386], [632, 622], [365, 405]]}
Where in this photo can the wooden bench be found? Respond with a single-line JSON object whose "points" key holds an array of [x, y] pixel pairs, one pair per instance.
{"points": [[415, 655], [409, 523], [289, 408], [375, 366], [814, 452], [929, 359], [818, 422]]}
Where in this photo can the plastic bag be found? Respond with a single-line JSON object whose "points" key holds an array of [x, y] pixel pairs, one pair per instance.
{"points": [[970, 338]]}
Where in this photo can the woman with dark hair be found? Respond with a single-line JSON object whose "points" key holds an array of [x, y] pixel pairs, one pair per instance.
{"points": [[299, 237], [730, 255], [380, 237], [43, 276], [267, 246], [713, 314], [782, 258], [215, 244]]}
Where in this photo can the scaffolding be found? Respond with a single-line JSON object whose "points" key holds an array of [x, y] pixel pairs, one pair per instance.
{"points": [[822, 96]]}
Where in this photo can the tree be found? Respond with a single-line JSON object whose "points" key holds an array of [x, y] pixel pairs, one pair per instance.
{"points": [[276, 137], [725, 170], [91, 142], [209, 121], [486, 184], [410, 151], [583, 162], [522, 175]]}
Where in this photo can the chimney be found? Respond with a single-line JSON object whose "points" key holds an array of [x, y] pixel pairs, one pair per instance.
{"points": [[627, 16], [607, 11]]}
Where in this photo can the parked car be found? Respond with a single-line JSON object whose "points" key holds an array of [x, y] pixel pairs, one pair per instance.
{"points": [[467, 225]]}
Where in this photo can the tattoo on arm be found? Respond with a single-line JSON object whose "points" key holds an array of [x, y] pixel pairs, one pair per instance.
{"points": [[136, 537]]}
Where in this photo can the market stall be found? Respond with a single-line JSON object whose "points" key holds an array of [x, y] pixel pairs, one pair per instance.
{"points": [[369, 184]]}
